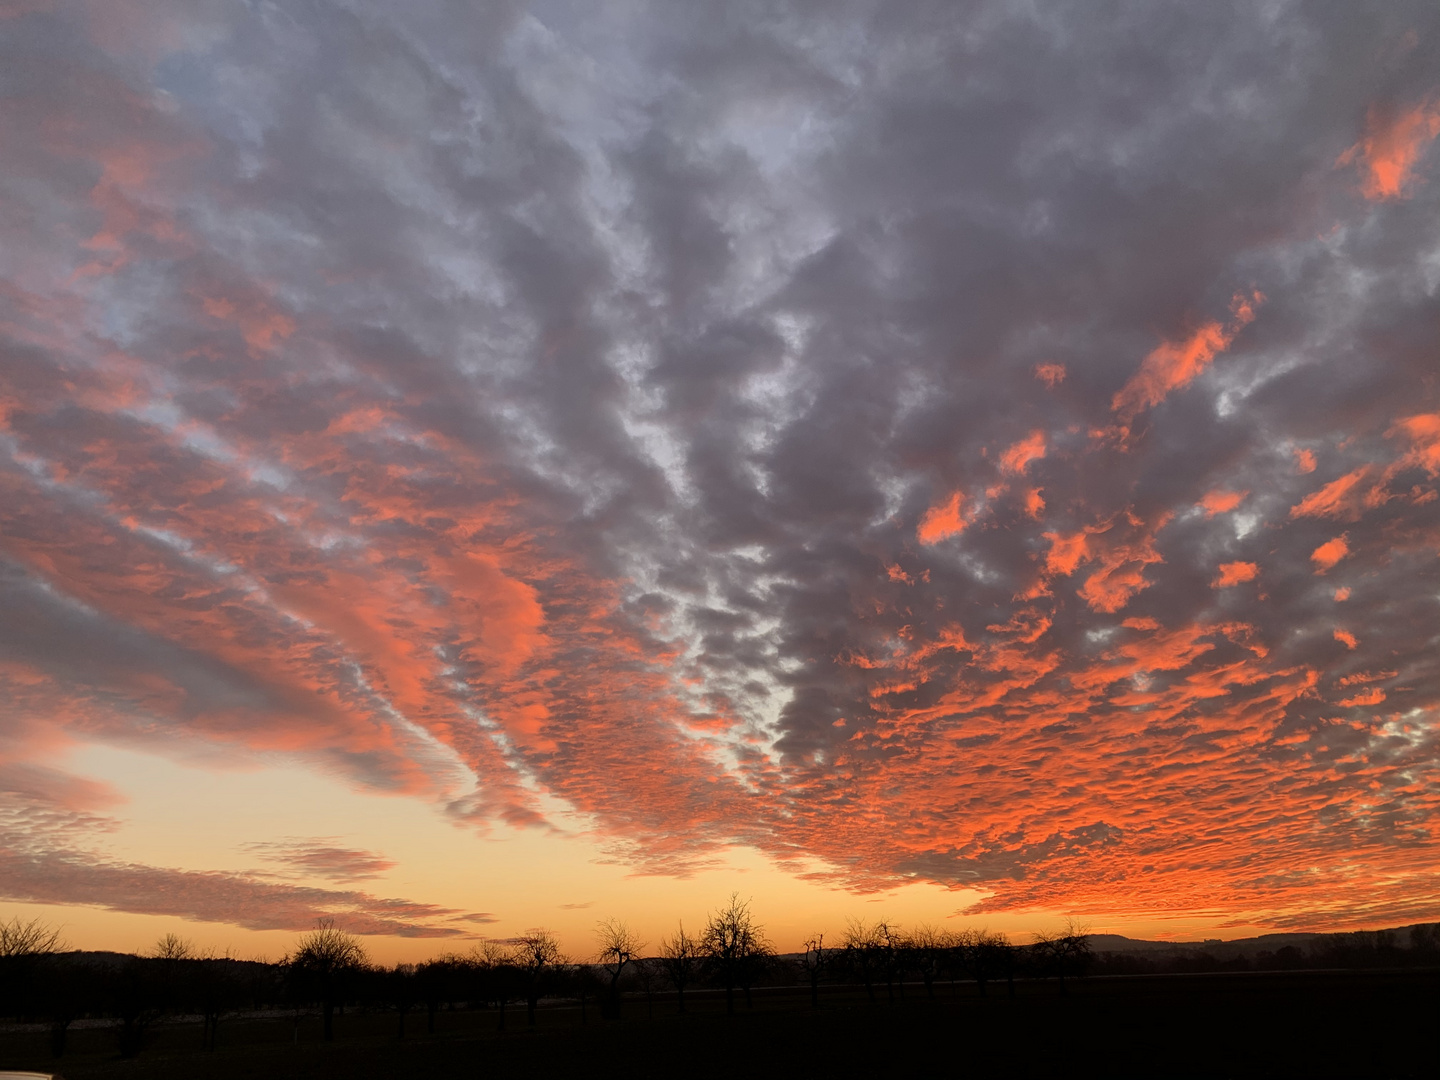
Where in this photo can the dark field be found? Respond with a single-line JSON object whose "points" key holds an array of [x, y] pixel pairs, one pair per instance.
{"points": [[1307, 1024]]}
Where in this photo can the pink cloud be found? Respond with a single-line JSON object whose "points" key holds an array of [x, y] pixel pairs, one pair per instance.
{"points": [[1391, 148], [942, 521]]}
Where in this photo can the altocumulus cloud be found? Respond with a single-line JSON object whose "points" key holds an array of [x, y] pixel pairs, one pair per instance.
{"points": [[495, 404]]}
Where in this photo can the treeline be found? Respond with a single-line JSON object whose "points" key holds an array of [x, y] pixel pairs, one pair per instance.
{"points": [[1419, 946], [329, 971]]}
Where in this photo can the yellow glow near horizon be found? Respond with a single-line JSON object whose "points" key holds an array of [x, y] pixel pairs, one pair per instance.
{"points": [[184, 816]]}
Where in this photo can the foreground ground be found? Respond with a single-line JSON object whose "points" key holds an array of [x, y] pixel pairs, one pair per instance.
{"points": [[1294, 1024]]}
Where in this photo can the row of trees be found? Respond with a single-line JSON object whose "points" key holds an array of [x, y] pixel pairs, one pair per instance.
{"points": [[329, 970]]}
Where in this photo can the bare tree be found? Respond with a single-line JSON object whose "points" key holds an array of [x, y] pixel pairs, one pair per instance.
{"points": [[1065, 952], [927, 948], [401, 985], [680, 958], [325, 957], [173, 947], [28, 938], [863, 946], [537, 954], [892, 946], [814, 961], [734, 945], [25, 945], [619, 946], [498, 972], [985, 956], [215, 991]]}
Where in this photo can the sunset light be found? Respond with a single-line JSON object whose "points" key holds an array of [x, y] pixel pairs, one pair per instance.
{"points": [[471, 468]]}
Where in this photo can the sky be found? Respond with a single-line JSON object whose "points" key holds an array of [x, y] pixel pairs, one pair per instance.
{"points": [[474, 466]]}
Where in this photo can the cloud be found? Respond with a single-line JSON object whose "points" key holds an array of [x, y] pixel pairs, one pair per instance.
{"points": [[1221, 502], [783, 431], [941, 521], [1395, 139], [1017, 458], [321, 857], [1344, 498], [1173, 365], [1052, 375], [1329, 553], [1234, 573], [58, 876]]}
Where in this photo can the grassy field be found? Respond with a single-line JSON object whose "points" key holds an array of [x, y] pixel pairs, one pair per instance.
{"points": [[1294, 1024]]}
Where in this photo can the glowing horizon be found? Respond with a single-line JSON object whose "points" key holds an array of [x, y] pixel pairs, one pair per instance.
{"points": [[465, 470]]}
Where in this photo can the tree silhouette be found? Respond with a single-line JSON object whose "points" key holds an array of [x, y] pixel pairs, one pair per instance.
{"points": [[24, 945], [401, 985], [537, 954], [214, 989], [25, 948], [173, 947], [928, 949], [734, 946], [891, 944], [494, 966], [1066, 952], [619, 946], [680, 957], [324, 958], [814, 962], [863, 947]]}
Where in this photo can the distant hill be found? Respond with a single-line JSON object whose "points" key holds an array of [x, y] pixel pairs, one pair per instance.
{"points": [[1236, 947]]}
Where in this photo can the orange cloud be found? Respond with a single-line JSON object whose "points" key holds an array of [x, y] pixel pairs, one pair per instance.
{"points": [[942, 520], [1391, 147], [1233, 573], [1373, 696], [1304, 460], [1342, 498], [1329, 553], [1122, 554], [1342, 594], [1034, 504], [1066, 552], [1017, 458], [1052, 375], [1172, 365], [1423, 431], [1027, 624], [1221, 502], [1346, 638]]}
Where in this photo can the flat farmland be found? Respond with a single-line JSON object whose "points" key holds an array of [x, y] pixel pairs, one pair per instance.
{"points": [[1281, 1024]]}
